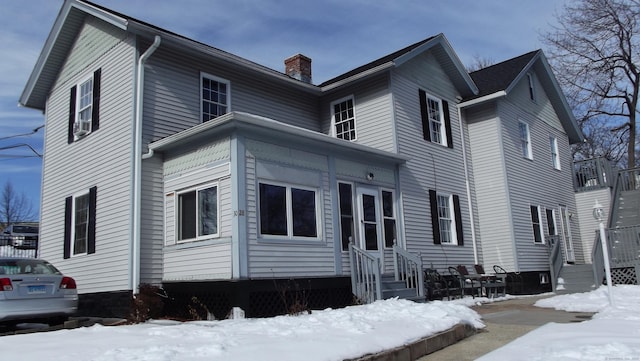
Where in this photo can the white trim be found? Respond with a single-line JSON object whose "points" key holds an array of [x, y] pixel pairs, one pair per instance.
{"points": [[394, 216], [357, 76], [72, 239], [78, 108], [529, 154], [540, 225], [498, 94], [555, 155], [177, 212], [219, 80], [289, 210], [452, 218], [333, 132], [443, 126]]}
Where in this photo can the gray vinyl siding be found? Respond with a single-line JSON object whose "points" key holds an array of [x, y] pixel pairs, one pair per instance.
{"points": [[151, 225], [373, 112], [432, 166], [202, 259], [535, 182], [494, 216], [172, 94], [70, 169], [271, 258]]}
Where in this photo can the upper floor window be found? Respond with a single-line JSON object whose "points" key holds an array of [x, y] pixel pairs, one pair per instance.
{"points": [[536, 224], [532, 87], [215, 96], [288, 211], [197, 213], [446, 218], [344, 119], [84, 107], [555, 157], [80, 223], [525, 140], [436, 122]]}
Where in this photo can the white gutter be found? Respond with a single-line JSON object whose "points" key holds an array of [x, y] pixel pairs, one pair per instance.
{"points": [[485, 98], [468, 185], [137, 166]]}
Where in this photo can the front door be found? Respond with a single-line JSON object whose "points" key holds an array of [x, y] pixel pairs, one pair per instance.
{"points": [[567, 241], [370, 238]]}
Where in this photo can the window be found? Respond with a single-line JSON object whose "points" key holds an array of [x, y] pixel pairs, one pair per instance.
{"points": [[197, 213], [555, 157], [288, 212], [446, 218], [344, 119], [215, 96], [525, 140], [80, 224], [532, 88], [436, 122], [551, 222], [84, 107], [536, 224], [388, 214], [345, 195]]}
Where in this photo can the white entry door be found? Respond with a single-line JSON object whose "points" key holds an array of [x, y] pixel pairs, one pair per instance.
{"points": [[567, 240], [369, 221]]}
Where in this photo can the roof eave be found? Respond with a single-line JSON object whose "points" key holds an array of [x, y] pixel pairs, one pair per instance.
{"points": [[41, 63], [365, 74], [249, 121]]}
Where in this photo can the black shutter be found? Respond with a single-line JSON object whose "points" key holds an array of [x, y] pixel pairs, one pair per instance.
{"points": [[67, 226], [95, 110], [91, 237], [426, 130], [447, 123], [458, 215], [435, 223], [72, 114]]}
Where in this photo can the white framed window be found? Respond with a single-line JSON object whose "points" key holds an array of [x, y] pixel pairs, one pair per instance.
{"points": [[80, 224], [197, 213], [343, 118], [389, 218], [446, 220], [215, 96], [552, 228], [347, 225], [525, 139], [555, 157], [436, 120], [532, 87], [536, 224], [288, 212]]}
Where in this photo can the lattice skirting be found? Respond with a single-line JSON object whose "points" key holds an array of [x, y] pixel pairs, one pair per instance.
{"points": [[258, 298], [624, 276]]}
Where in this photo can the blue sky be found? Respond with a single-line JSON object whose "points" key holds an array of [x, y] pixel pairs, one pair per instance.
{"points": [[338, 35]]}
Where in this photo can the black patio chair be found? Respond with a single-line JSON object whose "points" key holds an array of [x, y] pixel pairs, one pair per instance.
{"points": [[468, 285], [492, 284], [515, 283]]}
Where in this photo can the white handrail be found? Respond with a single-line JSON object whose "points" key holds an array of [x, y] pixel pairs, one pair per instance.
{"points": [[365, 275], [408, 268]]}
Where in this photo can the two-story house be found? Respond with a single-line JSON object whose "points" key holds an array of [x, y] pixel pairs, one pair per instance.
{"points": [[173, 163]]}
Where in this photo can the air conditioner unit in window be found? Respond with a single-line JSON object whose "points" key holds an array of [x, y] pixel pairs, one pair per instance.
{"points": [[81, 127]]}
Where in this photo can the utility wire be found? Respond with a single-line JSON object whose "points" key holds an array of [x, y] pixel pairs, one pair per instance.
{"points": [[22, 145], [33, 131]]}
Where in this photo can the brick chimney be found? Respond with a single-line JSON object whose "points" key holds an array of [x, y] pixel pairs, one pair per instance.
{"points": [[298, 67]]}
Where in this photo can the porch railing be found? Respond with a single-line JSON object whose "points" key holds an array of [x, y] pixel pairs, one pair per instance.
{"points": [[625, 246], [555, 261], [365, 275], [597, 260], [629, 179], [593, 173], [408, 268]]}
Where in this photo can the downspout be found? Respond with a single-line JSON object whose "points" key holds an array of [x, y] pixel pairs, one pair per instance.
{"points": [[137, 166], [468, 185]]}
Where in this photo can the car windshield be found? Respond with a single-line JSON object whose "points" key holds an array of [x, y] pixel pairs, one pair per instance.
{"points": [[25, 229], [26, 266]]}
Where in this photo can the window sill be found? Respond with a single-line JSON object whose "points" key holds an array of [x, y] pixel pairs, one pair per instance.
{"points": [[292, 241]]}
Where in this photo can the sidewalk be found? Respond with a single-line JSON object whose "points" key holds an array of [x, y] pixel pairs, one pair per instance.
{"points": [[505, 321]]}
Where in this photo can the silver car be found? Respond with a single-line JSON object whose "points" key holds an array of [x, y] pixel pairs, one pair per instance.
{"points": [[34, 290]]}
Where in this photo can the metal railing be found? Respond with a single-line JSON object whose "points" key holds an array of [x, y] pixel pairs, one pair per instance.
{"points": [[18, 246], [593, 173], [408, 268], [555, 260], [597, 260], [366, 280], [625, 246], [629, 179]]}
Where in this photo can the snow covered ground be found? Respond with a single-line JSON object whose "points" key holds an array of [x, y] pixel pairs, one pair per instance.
{"points": [[613, 334]]}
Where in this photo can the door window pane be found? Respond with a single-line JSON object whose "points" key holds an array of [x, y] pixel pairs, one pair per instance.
{"points": [[346, 214]]}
